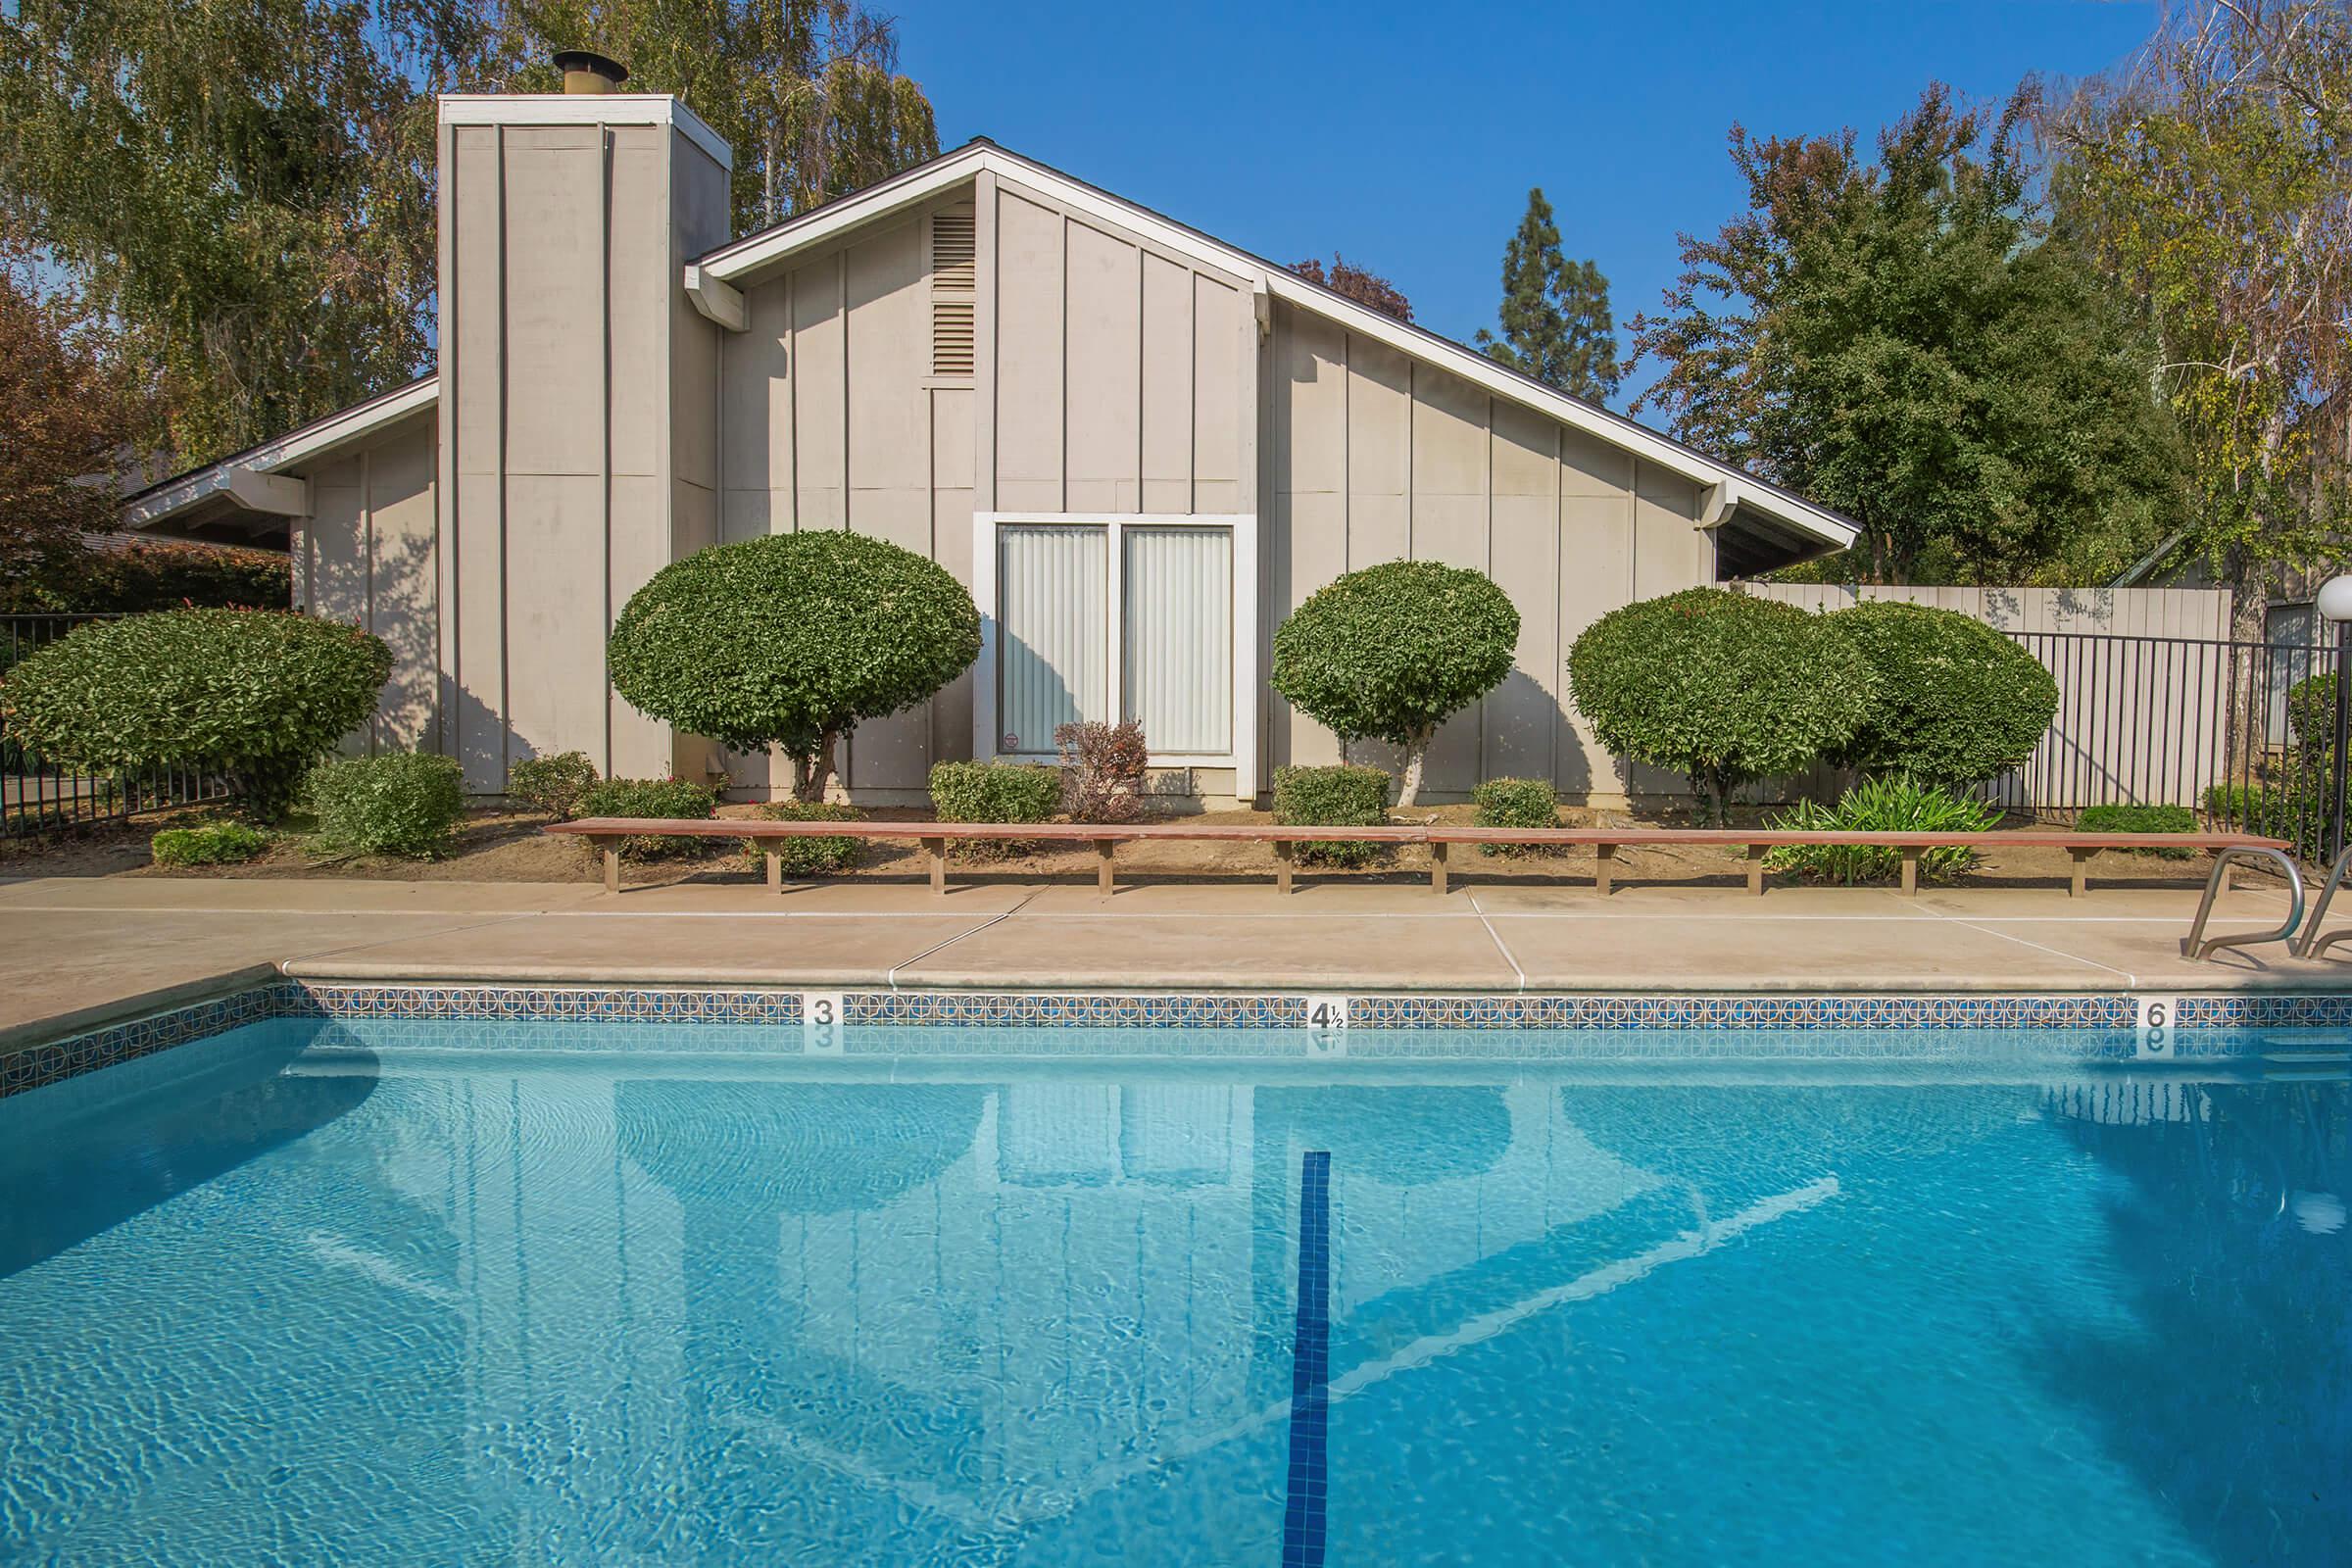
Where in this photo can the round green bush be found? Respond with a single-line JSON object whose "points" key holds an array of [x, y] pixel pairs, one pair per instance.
{"points": [[1335, 795], [401, 803], [1391, 651], [1957, 700], [1516, 802], [790, 641], [816, 855], [257, 696], [1719, 687], [677, 799], [551, 784]]}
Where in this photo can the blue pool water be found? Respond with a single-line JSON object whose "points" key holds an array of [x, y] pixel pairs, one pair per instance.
{"points": [[396, 1292]]}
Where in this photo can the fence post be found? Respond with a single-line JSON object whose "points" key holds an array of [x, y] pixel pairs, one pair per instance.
{"points": [[2335, 754]]}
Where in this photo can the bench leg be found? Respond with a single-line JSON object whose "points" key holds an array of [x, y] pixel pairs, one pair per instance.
{"points": [[1911, 872], [1604, 860], [1755, 869], [611, 849], [1436, 868], [937, 850], [775, 871], [1104, 848], [1282, 866], [2081, 869]]}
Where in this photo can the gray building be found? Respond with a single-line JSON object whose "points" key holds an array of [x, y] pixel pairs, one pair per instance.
{"points": [[1139, 446]]}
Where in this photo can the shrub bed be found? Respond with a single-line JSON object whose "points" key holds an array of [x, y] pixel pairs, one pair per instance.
{"points": [[1339, 795], [1880, 806], [1102, 770], [554, 784], [2283, 809], [814, 856], [677, 799], [994, 792], [256, 695], [1517, 803], [1957, 702], [401, 803], [2142, 820], [211, 844]]}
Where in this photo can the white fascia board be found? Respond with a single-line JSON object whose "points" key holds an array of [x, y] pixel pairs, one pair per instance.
{"points": [[310, 441], [585, 108], [761, 251]]}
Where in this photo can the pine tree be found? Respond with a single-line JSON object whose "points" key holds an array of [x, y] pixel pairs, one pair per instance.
{"points": [[1554, 316]]}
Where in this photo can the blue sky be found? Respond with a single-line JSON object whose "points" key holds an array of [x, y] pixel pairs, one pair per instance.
{"points": [[1406, 137]]}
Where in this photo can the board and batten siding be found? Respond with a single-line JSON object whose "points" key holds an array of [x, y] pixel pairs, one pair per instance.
{"points": [[365, 557], [1106, 377], [575, 449], [1374, 456]]}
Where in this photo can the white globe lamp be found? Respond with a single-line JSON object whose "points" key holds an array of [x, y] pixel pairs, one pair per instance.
{"points": [[2336, 599]]}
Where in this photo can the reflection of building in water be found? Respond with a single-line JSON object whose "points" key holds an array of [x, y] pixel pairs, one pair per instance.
{"points": [[985, 1301]]}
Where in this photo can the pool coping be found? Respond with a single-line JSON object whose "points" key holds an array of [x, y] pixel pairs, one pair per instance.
{"points": [[224, 1004]]}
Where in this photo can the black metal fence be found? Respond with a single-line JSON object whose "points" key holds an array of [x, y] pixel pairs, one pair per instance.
{"points": [[39, 797], [2185, 721]]}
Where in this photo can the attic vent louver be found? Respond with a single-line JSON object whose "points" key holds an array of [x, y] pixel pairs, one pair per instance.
{"points": [[955, 275]]}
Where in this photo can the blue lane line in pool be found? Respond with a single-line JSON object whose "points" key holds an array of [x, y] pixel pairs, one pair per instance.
{"points": [[1310, 1370]]}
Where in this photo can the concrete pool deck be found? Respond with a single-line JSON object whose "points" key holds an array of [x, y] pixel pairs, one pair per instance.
{"points": [[81, 951]]}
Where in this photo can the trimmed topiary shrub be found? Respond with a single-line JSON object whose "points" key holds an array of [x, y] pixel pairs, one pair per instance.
{"points": [[551, 784], [1719, 687], [791, 641], [257, 696], [1338, 796], [212, 843], [807, 856], [680, 799], [1957, 700], [401, 803], [1880, 806], [2142, 820], [994, 792], [1391, 651], [1517, 803], [1102, 770]]}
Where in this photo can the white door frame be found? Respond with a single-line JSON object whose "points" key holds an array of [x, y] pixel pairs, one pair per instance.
{"points": [[1248, 690]]}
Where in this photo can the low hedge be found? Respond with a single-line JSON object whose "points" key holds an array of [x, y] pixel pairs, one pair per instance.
{"points": [[1339, 795], [1516, 802], [678, 799], [994, 792], [212, 843], [401, 803], [812, 856], [2282, 810], [2140, 819], [554, 784]]}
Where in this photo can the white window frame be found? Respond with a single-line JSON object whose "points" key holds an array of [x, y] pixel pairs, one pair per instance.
{"points": [[1247, 689]]}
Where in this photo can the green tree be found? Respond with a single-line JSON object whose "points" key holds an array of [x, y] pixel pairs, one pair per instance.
{"points": [[1390, 652], [246, 190], [2212, 178], [1906, 341], [1554, 315], [789, 640]]}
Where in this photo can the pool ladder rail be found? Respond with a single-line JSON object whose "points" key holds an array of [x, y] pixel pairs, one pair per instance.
{"points": [[2198, 945]]}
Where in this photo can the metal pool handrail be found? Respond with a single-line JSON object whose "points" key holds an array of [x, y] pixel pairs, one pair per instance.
{"points": [[2313, 941], [2196, 945]]}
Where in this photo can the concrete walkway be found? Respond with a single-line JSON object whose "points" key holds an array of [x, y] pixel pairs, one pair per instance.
{"points": [[79, 951]]}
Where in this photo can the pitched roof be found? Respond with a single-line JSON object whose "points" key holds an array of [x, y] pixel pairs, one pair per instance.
{"points": [[744, 261]]}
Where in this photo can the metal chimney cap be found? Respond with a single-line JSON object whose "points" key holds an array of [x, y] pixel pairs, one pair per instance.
{"points": [[586, 71]]}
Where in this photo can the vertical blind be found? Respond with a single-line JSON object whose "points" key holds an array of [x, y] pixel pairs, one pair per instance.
{"points": [[1053, 653], [1177, 642]]}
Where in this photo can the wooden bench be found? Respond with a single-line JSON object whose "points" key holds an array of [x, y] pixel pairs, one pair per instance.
{"points": [[607, 833]]}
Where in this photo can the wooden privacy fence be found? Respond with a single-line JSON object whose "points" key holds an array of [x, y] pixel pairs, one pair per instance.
{"points": [[2156, 705]]}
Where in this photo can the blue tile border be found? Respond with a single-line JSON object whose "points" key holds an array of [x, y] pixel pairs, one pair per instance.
{"points": [[1382, 1024], [1308, 1492]]}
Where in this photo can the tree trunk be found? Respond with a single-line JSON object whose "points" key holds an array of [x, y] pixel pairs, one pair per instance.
{"points": [[810, 775], [1416, 752]]}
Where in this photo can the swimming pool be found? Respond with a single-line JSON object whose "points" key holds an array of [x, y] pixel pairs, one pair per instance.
{"points": [[403, 1292]]}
